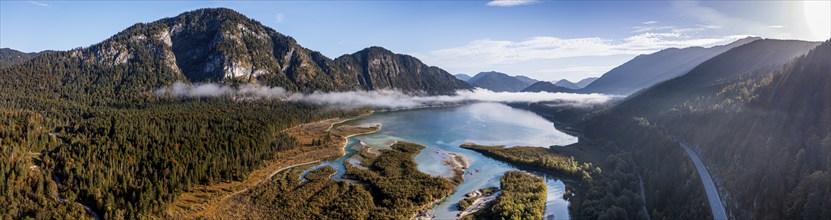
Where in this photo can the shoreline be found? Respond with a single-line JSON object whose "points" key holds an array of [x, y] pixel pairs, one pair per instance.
{"points": [[376, 128], [458, 164], [479, 203]]}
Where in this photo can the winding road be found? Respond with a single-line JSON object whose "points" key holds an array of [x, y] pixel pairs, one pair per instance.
{"points": [[709, 186]]}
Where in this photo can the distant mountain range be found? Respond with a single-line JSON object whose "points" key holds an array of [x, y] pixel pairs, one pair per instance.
{"points": [[545, 86], [639, 73], [646, 70], [223, 46], [578, 85], [566, 84], [500, 82], [462, 77]]}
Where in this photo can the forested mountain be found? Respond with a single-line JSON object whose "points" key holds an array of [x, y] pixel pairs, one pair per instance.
{"points": [[10, 57], [221, 45], [379, 68], [646, 70], [498, 82], [462, 77], [83, 126], [544, 86], [759, 113]]}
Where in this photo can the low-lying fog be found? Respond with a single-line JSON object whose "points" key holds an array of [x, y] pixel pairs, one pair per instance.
{"points": [[376, 98]]}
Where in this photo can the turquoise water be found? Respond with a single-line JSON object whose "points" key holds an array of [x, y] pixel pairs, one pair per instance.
{"points": [[337, 164], [442, 130]]}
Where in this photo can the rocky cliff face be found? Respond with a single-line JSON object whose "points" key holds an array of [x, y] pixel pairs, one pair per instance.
{"points": [[221, 45]]}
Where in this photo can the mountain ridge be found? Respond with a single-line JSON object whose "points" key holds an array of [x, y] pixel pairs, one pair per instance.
{"points": [[585, 82], [545, 86], [566, 84], [649, 69]]}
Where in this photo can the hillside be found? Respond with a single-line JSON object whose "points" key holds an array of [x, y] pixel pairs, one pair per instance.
{"points": [[498, 82], [758, 113], [10, 57], [646, 70]]}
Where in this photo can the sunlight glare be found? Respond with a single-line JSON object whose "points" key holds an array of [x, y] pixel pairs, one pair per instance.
{"points": [[818, 18]]}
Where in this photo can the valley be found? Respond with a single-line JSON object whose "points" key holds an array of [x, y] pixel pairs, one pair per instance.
{"points": [[211, 114]]}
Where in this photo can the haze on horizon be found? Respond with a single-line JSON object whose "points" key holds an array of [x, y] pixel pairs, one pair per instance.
{"points": [[541, 39]]}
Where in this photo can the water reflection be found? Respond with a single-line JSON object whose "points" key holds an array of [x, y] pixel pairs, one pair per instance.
{"points": [[442, 130]]}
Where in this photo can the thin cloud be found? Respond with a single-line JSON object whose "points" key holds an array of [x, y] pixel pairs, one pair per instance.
{"points": [[582, 70], [650, 28], [280, 18], [510, 3], [712, 18], [41, 4], [649, 22]]}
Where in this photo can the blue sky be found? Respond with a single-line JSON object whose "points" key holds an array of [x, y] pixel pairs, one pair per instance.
{"points": [[548, 40]]}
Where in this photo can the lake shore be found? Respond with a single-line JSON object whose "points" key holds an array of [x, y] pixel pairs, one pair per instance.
{"points": [[478, 200]]}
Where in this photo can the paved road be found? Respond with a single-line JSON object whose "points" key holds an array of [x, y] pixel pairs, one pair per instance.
{"points": [[709, 186]]}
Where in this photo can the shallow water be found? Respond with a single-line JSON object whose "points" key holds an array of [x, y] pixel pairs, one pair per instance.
{"points": [[442, 130]]}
